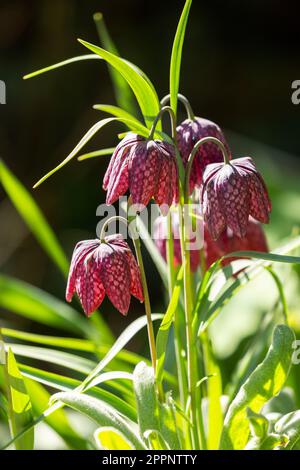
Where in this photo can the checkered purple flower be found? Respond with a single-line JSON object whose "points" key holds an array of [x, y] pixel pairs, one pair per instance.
{"points": [[107, 267], [231, 192], [188, 133], [147, 168]]}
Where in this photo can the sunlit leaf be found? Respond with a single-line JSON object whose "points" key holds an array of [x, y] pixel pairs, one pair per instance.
{"points": [[20, 408], [96, 153], [175, 64], [146, 398], [123, 93], [108, 438], [62, 64], [144, 92], [101, 413], [264, 383], [58, 421], [86, 138]]}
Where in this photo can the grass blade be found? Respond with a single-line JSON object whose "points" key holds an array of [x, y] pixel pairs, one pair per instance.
{"points": [[177, 54], [19, 404], [123, 93], [61, 64]]}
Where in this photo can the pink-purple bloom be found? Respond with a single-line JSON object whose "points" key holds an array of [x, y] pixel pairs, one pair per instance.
{"points": [[188, 134], [231, 192], [100, 268], [147, 168], [228, 242]]}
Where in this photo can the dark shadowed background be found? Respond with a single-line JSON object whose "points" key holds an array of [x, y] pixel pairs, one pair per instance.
{"points": [[239, 61]]}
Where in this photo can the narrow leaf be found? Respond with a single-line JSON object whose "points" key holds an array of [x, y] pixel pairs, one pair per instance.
{"points": [[20, 408], [123, 92], [175, 64], [143, 90], [62, 64]]}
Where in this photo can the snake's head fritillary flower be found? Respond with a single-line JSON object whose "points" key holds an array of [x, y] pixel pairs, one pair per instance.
{"points": [[147, 168], [231, 192], [254, 240], [188, 133], [107, 267], [160, 239]]}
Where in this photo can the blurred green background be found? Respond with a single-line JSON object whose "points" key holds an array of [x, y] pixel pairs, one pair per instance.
{"points": [[240, 59]]}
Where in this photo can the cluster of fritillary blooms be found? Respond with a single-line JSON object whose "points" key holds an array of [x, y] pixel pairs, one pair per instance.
{"points": [[233, 202]]}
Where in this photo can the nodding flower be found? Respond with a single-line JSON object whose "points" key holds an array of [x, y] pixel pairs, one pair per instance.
{"points": [[147, 168], [188, 133], [231, 192], [104, 267]]}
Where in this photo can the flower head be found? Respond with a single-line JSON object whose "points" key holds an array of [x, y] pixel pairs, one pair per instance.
{"points": [[160, 238], [231, 192], [254, 240], [188, 133], [99, 268], [147, 168]]}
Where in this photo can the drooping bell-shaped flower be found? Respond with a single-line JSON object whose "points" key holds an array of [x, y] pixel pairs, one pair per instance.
{"points": [[231, 192], [107, 267], [161, 235], [147, 168], [254, 240], [191, 131]]}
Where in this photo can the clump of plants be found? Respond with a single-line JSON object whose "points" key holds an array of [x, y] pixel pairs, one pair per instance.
{"points": [[208, 243]]}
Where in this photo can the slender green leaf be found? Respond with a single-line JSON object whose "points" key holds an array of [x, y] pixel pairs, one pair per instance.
{"points": [[20, 408], [63, 383], [53, 356], [177, 54], [144, 92], [123, 93], [96, 153], [33, 217], [31, 302], [265, 256], [86, 138], [119, 344], [62, 64], [124, 359], [121, 113], [101, 413], [58, 421], [108, 438], [265, 382], [222, 295]]}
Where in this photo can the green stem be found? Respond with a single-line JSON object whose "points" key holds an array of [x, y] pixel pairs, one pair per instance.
{"points": [[185, 103], [196, 147], [137, 247], [177, 323], [190, 337]]}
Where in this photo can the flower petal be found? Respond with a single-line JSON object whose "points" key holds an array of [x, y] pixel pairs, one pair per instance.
{"points": [[136, 288], [115, 275], [144, 169]]}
